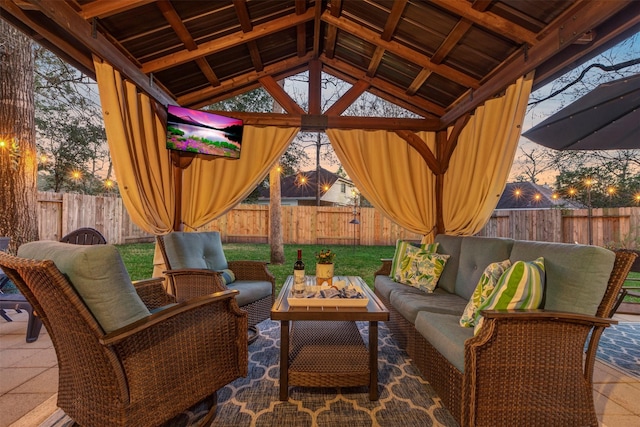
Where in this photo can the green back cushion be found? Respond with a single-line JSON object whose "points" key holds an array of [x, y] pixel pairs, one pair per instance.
{"points": [[195, 250], [449, 245], [98, 275], [475, 254], [576, 275], [401, 250], [487, 283]]}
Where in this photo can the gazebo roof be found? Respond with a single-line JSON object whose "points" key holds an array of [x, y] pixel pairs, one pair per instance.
{"points": [[439, 59]]}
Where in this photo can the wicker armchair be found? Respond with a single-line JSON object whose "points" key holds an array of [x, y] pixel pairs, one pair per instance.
{"points": [[84, 236], [188, 281], [143, 374]]}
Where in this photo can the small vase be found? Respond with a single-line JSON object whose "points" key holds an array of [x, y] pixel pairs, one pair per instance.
{"points": [[324, 273]]}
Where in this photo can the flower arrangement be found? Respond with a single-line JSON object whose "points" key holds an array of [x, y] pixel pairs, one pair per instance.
{"points": [[325, 256]]}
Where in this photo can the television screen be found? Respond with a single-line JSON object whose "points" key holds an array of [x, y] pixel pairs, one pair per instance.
{"points": [[201, 132]]}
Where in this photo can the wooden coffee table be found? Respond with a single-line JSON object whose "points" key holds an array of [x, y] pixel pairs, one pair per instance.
{"points": [[322, 346]]}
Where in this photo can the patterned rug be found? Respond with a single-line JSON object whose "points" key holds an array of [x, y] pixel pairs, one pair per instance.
{"points": [[620, 348], [405, 399]]}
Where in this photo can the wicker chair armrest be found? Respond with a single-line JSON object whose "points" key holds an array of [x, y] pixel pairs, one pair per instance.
{"points": [[540, 314], [187, 283], [198, 346], [385, 268], [152, 292], [251, 270]]}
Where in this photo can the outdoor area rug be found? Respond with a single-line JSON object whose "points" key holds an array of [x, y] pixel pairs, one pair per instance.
{"points": [[620, 348], [405, 399]]}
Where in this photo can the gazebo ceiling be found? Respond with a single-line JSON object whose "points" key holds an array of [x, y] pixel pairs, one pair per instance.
{"points": [[439, 59]]}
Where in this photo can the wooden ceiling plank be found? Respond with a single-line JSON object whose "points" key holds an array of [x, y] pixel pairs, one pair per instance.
{"points": [[375, 61], [293, 65], [401, 50], [417, 83], [227, 42], [348, 98], [315, 87], [421, 147], [64, 16], [590, 14], [301, 6], [281, 97], [489, 21], [393, 19], [105, 8], [172, 17], [384, 86]]}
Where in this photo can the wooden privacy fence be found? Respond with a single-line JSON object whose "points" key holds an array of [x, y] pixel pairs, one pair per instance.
{"points": [[59, 214]]}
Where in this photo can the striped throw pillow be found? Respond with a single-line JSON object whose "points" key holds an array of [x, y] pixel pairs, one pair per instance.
{"points": [[227, 276], [520, 287], [487, 283], [401, 252]]}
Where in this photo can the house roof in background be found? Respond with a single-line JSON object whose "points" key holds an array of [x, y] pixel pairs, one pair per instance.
{"points": [[527, 195], [292, 187], [439, 59]]}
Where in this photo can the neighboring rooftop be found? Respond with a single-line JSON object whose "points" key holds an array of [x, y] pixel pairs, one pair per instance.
{"points": [[527, 195]]}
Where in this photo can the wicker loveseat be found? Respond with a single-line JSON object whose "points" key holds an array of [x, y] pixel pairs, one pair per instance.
{"points": [[523, 368]]}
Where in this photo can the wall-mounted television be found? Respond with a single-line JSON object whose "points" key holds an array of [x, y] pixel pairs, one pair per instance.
{"points": [[201, 132]]}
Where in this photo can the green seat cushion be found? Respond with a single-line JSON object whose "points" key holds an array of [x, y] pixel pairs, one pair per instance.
{"points": [[250, 290], [576, 275], [410, 301], [195, 250], [445, 334], [384, 285], [99, 276]]}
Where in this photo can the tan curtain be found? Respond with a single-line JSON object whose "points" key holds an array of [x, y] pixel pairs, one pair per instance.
{"points": [[212, 187], [390, 174], [141, 163], [481, 162]]}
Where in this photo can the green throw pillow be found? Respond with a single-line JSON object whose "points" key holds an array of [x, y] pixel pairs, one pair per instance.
{"points": [[520, 287], [227, 276], [484, 288], [421, 269], [401, 251]]}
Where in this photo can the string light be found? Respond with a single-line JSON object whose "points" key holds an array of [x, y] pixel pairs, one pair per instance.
{"points": [[76, 174], [108, 183], [2, 143]]}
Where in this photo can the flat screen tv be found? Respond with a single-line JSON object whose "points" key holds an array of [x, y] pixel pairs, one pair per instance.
{"points": [[201, 132]]}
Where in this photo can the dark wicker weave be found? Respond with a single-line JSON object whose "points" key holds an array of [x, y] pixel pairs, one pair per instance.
{"points": [[525, 368], [145, 373], [84, 236], [190, 283]]}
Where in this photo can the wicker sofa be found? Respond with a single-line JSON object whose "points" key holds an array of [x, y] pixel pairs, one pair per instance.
{"points": [[523, 367]]}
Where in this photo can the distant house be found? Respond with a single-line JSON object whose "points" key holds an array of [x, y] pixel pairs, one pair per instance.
{"points": [[300, 189], [527, 195]]}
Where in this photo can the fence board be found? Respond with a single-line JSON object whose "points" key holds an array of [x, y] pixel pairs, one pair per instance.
{"points": [[59, 214]]}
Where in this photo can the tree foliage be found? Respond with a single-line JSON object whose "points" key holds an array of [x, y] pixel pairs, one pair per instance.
{"points": [[71, 139]]}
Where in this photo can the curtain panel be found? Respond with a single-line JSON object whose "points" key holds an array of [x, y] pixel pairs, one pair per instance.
{"points": [[396, 180]]}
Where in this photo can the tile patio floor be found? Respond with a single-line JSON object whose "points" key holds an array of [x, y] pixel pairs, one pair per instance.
{"points": [[29, 381]]}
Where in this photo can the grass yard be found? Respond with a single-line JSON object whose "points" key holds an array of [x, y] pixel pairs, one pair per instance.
{"points": [[360, 261]]}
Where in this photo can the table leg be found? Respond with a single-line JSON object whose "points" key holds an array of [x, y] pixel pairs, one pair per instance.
{"points": [[373, 360], [284, 360]]}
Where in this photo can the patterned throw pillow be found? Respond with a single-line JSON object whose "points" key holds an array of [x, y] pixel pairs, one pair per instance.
{"points": [[401, 251], [520, 287], [421, 269], [227, 276], [484, 288]]}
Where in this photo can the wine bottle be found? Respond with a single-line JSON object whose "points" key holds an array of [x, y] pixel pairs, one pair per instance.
{"points": [[298, 269]]}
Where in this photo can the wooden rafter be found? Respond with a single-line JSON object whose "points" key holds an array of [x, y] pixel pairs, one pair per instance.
{"points": [[401, 50], [227, 42], [348, 98], [104, 8], [488, 20], [332, 31], [301, 29], [421, 147], [245, 24], [315, 86], [393, 19], [281, 97]]}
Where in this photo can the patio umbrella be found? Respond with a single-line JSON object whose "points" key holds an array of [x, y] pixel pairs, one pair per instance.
{"points": [[607, 118]]}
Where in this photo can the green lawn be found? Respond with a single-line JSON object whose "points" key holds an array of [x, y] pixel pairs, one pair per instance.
{"points": [[360, 261], [634, 283]]}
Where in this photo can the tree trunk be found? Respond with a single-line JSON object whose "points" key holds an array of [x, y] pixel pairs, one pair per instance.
{"points": [[18, 161]]}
